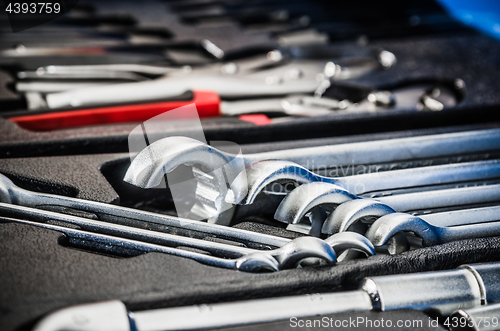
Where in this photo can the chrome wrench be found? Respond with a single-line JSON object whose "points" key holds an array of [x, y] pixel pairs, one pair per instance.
{"points": [[19, 200], [231, 80], [163, 156], [166, 154], [317, 189], [349, 213], [475, 223], [11, 193], [286, 256]]}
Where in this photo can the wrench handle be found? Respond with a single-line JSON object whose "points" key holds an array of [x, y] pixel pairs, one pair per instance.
{"points": [[449, 173], [488, 229]]}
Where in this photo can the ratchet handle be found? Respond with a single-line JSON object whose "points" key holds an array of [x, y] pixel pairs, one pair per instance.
{"points": [[207, 104]]}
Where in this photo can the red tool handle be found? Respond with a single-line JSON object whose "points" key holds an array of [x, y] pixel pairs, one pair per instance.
{"points": [[207, 104]]}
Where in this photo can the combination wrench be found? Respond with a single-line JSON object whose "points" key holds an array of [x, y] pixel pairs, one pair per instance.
{"points": [[259, 261], [220, 254], [12, 194], [131, 221], [315, 193], [464, 224], [347, 214], [349, 208], [163, 156], [149, 166]]}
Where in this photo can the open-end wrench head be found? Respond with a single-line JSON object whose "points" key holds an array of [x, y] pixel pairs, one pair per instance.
{"points": [[350, 212], [290, 255], [164, 155], [306, 197], [340, 242], [7, 188], [257, 262], [245, 188], [388, 226]]}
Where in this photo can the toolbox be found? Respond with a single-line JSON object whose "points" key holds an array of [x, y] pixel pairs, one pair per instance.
{"points": [[277, 117]]}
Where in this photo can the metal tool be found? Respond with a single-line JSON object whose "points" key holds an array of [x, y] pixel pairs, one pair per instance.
{"points": [[294, 78], [290, 255], [328, 192], [442, 291], [256, 76], [286, 256], [136, 72], [141, 72], [474, 223], [483, 318], [349, 213], [163, 156], [418, 96], [167, 152], [340, 70], [262, 174], [47, 87], [348, 64], [10, 193], [128, 218]]}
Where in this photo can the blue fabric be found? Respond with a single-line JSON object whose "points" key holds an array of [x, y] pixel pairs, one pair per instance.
{"points": [[483, 15]]}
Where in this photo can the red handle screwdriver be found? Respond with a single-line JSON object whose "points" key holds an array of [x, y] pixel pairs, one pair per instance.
{"points": [[207, 104]]}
